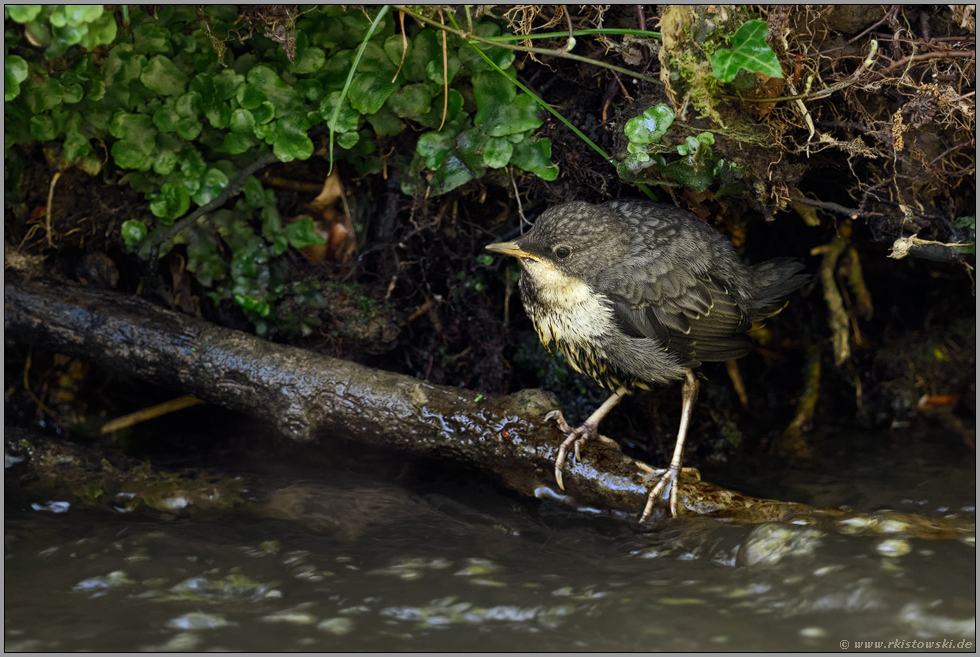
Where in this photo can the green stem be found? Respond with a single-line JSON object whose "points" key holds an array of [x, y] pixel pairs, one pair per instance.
{"points": [[564, 35], [468, 38], [350, 77]]}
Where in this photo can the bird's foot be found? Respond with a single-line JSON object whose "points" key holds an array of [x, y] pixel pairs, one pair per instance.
{"points": [[668, 477], [574, 438]]}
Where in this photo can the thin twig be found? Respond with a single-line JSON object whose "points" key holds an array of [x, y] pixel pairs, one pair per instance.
{"points": [[47, 219], [537, 51], [972, 54], [827, 205], [231, 190], [888, 16]]}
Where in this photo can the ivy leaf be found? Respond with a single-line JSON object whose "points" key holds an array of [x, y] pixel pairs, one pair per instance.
{"points": [[301, 234], [749, 51]]}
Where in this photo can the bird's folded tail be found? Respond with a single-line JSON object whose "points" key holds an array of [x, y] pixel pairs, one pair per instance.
{"points": [[774, 280]]}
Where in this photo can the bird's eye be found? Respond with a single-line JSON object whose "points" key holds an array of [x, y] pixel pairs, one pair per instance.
{"points": [[562, 252]]}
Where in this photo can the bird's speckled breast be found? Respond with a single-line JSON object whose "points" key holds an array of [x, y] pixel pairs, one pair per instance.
{"points": [[579, 321]]}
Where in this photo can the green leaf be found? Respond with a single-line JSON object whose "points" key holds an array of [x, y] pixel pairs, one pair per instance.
{"points": [[435, 148], [519, 115], [73, 93], [534, 156], [410, 101], [77, 14], [301, 234], [165, 162], [651, 126], [189, 129], [264, 113], [385, 123], [497, 153], [150, 38], [137, 140], [236, 143], [291, 142], [43, 128], [192, 163], [24, 13], [133, 231], [282, 96], [172, 202], [219, 115], [433, 118], [166, 117], [271, 222], [76, 146], [434, 70], [369, 91], [257, 306], [500, 111], [212, 185], [308, 60], [227, 84], [14, 72], [348, 139], [162, 76], [348, 117], [254, 192], [749, 51], [242, 122], [100, 32], [471, 59], [43, 96]]}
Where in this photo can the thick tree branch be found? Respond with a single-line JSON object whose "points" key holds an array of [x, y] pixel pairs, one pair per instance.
{"points": [[309, 396]]}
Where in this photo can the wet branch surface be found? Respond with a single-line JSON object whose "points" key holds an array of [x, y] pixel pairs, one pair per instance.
{"points": [[310, 397]]}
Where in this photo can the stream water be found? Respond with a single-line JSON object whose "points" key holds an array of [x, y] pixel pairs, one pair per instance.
{"points": [[351, 563]]}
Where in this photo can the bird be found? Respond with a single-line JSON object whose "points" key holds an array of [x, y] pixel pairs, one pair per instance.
{"points": [[637, 294]]}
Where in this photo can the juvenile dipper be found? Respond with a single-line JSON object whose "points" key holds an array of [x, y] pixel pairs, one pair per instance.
{"points": [[636, 293]]}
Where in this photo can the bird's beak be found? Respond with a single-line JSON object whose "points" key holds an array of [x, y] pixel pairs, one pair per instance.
{"points": [[509, 248]]}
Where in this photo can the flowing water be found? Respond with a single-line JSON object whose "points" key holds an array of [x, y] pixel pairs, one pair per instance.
{"points": [[350, 563]]}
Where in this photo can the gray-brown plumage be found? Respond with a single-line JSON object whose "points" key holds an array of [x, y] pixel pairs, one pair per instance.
{"points": [[637, 293]]}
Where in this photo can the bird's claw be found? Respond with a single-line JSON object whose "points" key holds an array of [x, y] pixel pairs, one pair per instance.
{"points": [[667, 478], [573, 439]]}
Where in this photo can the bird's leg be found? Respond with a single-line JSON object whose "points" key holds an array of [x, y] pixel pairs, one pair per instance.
{"points": [[575, 437], [688, 394]]}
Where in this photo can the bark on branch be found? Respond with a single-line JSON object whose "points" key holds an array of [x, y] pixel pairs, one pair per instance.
{"points": [[310, 397]]}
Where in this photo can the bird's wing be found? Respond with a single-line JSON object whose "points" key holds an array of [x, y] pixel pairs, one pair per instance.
{"points": [[692, 315]]}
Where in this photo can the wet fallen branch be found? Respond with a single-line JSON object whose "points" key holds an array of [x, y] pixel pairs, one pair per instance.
{"points": [[313, 397]]}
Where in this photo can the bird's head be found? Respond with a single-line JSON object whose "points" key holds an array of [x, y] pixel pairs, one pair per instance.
{"points": [[570, 240]]}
